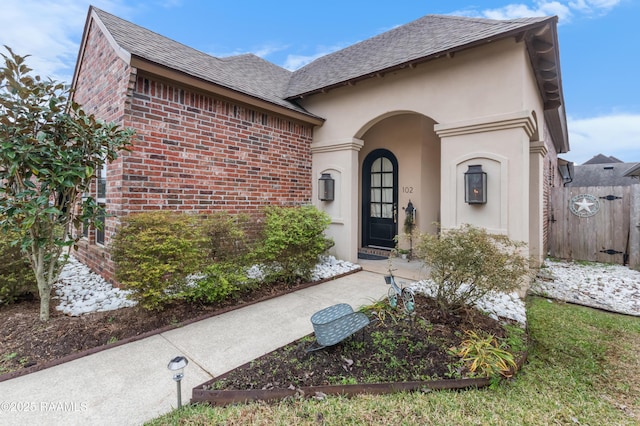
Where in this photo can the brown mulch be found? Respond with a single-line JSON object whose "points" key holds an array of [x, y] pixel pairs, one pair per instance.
{"points": [[398, 348], [28, 343]]}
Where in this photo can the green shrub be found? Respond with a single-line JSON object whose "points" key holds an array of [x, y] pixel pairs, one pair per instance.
{"points": [[293, 238], [219, 282], [154, 254], [225, 237], [16, 275], [485, 356], [467, 263]]}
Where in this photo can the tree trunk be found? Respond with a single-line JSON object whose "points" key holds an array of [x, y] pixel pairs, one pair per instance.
{"points": [[44, 284], [44, 289]]}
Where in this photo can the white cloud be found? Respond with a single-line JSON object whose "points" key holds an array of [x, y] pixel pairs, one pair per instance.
{"points": [[269, 49], [48, 31], [293, 62], [615, 135], [513, 11], [565, 10], [589, 6]]}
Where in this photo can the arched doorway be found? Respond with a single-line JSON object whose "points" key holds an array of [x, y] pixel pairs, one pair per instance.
{"points": [[380, 199]]}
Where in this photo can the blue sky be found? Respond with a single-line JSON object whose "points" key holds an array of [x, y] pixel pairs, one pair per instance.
{"points": [[600, 54]]}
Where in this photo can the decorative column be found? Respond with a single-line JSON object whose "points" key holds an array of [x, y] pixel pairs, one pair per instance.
{"points": [[340, 159], [500, 144]]}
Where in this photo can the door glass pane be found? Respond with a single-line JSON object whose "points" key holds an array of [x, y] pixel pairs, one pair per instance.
{"points": [[381, 201], [376, 166], [387, 211], [375, 210], [387, 195], [387, 180]]}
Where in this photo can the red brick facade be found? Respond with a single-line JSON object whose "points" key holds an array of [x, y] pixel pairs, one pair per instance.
{"points": [[192, 152], [103, 88], [196, 152]]}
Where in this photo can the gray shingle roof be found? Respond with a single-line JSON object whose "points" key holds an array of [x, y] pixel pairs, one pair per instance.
{"points": [[419, 39], [602, 159], [604, 174], [246, 74]]}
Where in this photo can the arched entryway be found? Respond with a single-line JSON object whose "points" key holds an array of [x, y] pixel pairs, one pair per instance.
{"points": [[380, 199]]}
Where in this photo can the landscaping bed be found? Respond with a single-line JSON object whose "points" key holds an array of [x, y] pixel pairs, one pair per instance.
{"points": [[29, 344], [395, 352]]}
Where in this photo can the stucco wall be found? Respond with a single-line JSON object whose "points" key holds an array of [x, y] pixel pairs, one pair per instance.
{"points": [[480, 82], [476, 90], [412, 140]]}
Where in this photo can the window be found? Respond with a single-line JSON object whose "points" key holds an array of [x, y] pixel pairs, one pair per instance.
{"points": [[100, 229], [101, 183], [382, 188]]}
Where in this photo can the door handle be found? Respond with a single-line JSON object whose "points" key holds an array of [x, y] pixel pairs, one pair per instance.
{"points": [[395, 213]]}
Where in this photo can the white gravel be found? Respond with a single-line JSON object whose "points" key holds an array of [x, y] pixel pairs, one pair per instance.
{"points": [[81, 291], [614, 288], [611, 287], [497, 305]]}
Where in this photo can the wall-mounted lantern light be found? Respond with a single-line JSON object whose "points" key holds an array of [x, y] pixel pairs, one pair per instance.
{"points": [[475, 185], [177, 365], [326, 187]]}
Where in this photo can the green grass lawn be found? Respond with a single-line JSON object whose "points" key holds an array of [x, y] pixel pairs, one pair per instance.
{"points": [[583, 369]]}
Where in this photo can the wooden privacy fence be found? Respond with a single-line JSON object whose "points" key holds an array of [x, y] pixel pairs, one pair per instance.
{"points": [[596, 223]]}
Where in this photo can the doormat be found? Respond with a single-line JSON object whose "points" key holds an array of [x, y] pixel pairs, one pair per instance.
{"points": [[373, 253], [367, 256]]}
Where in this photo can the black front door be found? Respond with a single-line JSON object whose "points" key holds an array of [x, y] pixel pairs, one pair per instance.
{"points": [[379, 199]]}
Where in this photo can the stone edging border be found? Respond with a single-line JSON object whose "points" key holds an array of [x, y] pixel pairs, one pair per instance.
{"points": [[226, 397], [77, 355]]}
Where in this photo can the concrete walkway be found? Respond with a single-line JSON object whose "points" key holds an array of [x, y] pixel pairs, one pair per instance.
{"points": [[130, 384]]}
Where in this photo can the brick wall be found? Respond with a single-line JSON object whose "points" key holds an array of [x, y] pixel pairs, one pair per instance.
{"points": [[193, 152], [103, 88]]}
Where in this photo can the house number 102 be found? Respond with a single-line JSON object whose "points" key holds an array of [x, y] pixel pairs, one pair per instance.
{"points": [[407, 189]]}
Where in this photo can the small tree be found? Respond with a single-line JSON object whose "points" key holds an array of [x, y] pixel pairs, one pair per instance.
{"points": [[466, 263], [49, 152]]}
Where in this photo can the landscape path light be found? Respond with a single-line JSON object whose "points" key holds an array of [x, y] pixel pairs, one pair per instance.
{"points": [[177, 365]]}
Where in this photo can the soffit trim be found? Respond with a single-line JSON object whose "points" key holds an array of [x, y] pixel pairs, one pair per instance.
{"points": [[515, 120]]}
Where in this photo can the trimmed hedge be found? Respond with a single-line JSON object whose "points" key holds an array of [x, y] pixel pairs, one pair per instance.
{"points": [[155, 252], [293, 238], [163, 256]]}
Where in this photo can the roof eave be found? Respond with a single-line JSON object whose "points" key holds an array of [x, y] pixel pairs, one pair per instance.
{"points": [[544, 54], [634, 171], [519, 33], [172, 74], [542, 45]]}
